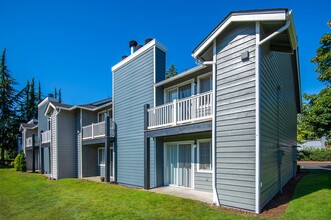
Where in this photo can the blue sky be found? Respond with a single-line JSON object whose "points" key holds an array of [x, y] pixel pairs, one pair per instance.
{"points": [[72, 45]]}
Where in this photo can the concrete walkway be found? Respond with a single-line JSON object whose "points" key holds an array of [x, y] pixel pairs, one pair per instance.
{"points": [[315, 165], [206, 197]]}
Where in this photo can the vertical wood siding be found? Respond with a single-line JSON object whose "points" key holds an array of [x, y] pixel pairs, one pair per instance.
{"points": [[235, 118]]}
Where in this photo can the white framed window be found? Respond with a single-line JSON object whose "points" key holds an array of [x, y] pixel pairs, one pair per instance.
{"points": [[205, 83], [179, 91], [101, 156], [102, 115], [204, 156]]}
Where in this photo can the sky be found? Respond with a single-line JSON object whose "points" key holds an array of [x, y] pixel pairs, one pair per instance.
{"points": [[72, 45]]}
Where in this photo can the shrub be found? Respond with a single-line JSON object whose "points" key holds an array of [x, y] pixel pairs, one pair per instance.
{"points": [[315, 154], [20, 162]]}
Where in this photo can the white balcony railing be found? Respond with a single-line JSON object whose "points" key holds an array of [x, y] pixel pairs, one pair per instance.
{"points": [[191, 109], [98, 130], [28, 142], [46, 137]]}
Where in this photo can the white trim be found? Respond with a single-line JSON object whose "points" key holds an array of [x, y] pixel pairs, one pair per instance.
{"points": [[165, 90], [180, 75], [154, 75], [242, 17], [47, 99], [257, 119], [139, 52], [208, 140], [202, 77]]}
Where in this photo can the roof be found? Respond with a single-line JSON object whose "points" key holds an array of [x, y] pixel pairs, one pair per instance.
{"points": [[28, 126], [90, 107], [241, 16], [182, 75]]}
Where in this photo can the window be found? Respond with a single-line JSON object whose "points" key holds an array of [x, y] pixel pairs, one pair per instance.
{"points": [[101, 156], [179, 92], [102, 115], [205, 83], [204, 155]]}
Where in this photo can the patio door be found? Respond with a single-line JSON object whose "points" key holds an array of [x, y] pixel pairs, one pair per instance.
{"points": [[178, 164]]}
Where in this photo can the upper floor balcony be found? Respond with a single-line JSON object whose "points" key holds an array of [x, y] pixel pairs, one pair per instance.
{"points": [[192, 109], [46, 137], [98, 130], [28, 142]]}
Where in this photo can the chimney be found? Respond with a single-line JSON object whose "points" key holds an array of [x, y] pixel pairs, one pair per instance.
{"points": [[147, 40], [132, 45]]}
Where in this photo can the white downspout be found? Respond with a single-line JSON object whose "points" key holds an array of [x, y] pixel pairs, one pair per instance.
{"points": [[215, 194], [257, 120]]}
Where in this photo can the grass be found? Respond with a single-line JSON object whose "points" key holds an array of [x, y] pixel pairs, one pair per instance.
{"points": [[32, 196]]}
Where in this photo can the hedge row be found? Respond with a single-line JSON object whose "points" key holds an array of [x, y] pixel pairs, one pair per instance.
{"points": [[315, 154]]}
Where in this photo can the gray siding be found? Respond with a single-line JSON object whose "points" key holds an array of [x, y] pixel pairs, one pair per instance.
{"points": [[278, 121], [133, 88], [66, 144], [202, 181], [235, 118], [160, 58], [42, 119], [78, 143], [47, 167]]}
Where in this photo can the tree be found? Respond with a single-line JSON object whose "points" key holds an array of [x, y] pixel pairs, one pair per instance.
{"points": [[315, 120], [39, 94], [55, 93], [323, 58], [60, 96], [7, 107], [171, 71], [32, 106]]}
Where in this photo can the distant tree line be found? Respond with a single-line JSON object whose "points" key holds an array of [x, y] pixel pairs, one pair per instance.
{"points": [[16, 107]]}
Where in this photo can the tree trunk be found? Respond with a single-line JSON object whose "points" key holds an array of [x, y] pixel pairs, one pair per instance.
{"points": [[2, 153]]}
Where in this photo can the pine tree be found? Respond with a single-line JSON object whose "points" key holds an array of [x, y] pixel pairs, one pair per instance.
{"points": [[60, 98], [7, 107], [171, 71], [39, 94], [32, 101], [55, 93]]}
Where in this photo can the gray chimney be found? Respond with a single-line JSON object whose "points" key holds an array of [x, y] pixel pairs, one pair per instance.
{"points": [[132, 45]]}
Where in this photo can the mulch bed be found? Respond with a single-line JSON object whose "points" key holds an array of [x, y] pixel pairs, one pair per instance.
{"points": [[278, 205]]}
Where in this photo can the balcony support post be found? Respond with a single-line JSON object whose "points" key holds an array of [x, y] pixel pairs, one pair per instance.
{"points": [[107, 149], [146, 150], [175, 112], [33, 153], [42, 168]]}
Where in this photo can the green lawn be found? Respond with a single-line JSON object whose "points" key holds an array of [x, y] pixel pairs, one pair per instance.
{"points": [[32, 196]]}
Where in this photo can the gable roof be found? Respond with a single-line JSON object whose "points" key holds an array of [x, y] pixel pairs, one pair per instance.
{"points": [[27, 126], [278, 14]]}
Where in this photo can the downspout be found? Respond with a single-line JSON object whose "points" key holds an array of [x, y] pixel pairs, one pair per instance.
{"points": [[213, 63], [215, 193], [259, 42], [57, 142]]}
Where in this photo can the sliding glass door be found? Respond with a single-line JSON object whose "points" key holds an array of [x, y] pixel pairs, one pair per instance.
{"points": [[178, 170]]}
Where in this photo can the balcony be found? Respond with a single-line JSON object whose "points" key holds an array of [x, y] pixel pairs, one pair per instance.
{"points": [[28, 142], [189, 110], [46, 137], [98, 130]]}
